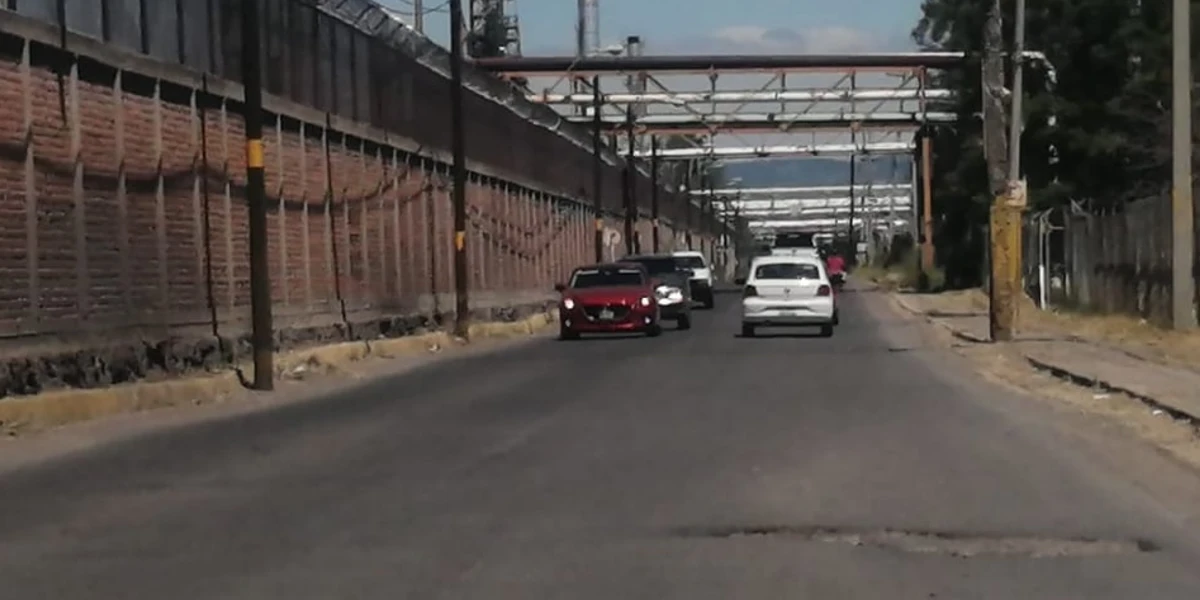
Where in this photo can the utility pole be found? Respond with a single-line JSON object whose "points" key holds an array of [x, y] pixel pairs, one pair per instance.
{"points": [[262, 329], [418, 15], [654, 193], [1183, 287], [597, 168], [1009, 199], [458, 143]]}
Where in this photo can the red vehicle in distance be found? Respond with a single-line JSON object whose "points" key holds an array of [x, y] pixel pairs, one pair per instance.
{"points": [[608, 298]]}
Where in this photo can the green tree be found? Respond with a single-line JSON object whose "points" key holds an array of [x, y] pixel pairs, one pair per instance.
{"points": [[1104, 118]]}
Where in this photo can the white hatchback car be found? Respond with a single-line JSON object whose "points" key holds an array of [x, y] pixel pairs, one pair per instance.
{"points": [[788, 291]]}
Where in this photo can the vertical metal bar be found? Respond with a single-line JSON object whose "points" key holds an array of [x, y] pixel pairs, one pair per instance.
{"points": [[1183, 286], [1016, 121], [630, 182], [654, 234], [458, 141], [262, 335], [597, 168], [927, 248]]}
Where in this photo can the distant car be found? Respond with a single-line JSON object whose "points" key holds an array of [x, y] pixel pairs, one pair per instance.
{"points": [[672, 290], [608, 298], [787, 291], [702, 279]]}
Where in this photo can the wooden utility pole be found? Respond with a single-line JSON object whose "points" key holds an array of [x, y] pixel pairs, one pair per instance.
{"points": [[1009, 198], [1183, 287]]}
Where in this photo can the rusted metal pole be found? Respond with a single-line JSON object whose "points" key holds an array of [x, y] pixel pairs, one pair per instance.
{"points": [[262, 329]]}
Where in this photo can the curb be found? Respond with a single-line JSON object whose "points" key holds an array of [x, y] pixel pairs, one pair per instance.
{"points": [[1091, 381], [953, 331], [28, 414]]}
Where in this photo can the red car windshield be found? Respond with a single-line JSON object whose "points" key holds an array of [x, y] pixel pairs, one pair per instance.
{"points": [[592, 278]]}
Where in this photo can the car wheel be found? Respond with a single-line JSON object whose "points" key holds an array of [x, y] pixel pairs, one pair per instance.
{"points": [[654, 330], [684, 321], [709, 302], [827, 330], [747, 330], [836, 320], [567, 334]]}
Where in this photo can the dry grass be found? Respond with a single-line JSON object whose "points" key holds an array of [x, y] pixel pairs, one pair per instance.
{"points": [[1131, 334]]}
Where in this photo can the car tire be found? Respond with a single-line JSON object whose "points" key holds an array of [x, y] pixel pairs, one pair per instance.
{"points": [[836, 320], [567, 335], [709, 302], [683, 322], [827, 330], [747, 330], [654, 330]]}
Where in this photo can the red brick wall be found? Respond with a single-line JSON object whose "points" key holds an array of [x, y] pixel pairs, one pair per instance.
{"points": [[122, 217]]}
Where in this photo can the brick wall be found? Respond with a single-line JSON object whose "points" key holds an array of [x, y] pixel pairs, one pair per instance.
{"points": [[123, 243]]}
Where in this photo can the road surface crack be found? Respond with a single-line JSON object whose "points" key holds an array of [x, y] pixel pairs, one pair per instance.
{"points": [[960, 545]]}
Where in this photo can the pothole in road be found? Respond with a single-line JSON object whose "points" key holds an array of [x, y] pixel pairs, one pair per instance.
{"points": [[960, 545]]}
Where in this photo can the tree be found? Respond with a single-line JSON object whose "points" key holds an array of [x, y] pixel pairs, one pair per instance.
{"points": [[1109, 105]]}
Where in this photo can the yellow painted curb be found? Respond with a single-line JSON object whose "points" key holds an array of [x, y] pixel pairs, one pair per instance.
{"points": [[61, 407]]}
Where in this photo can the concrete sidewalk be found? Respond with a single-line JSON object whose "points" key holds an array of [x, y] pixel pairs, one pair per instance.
{"points": [[1173, 388]]}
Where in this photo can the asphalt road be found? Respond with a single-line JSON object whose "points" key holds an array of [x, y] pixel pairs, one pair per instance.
{"points": [[697, 465]]}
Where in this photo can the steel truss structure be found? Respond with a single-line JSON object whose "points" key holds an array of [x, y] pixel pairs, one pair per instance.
{"points": [[699, 124]]}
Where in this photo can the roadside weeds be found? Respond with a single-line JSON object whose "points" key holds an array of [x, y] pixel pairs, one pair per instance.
{"points": [[26, 415]]}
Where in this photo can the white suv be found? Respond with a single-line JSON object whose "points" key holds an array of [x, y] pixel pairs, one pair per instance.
{"points": [[702, 279], [788, 291]]}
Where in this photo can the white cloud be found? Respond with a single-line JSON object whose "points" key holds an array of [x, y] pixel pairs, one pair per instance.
{"points": [[752, 39]]}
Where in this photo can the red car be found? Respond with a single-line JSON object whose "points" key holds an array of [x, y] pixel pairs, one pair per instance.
{"points": [[608, 298]]}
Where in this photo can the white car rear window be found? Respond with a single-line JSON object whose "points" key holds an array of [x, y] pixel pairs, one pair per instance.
{"points": [[789, 271]]}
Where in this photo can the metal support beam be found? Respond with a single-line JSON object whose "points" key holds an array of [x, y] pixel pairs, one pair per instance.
{"points": [[803, 203], [803, 191], [810, 211], [800, 224], [768, 151], [590, 65], [630, 186], [597, 171], [654, 192], [745, 97], [776, 119]]}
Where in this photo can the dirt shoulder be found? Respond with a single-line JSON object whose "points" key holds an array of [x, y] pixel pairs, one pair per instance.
{"points": [[1137, 377]]}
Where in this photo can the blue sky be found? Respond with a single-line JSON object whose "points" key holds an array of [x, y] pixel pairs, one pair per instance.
{"points": [[710, 26]]}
